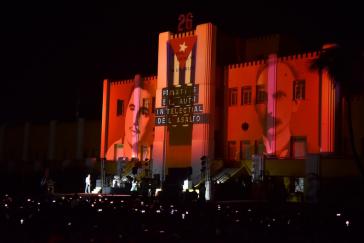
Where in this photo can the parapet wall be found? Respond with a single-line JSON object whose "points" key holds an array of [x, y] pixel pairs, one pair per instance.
{"points": [[298, 56]]}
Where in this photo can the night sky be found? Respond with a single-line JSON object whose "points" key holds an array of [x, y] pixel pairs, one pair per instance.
{"points": [[55, 54]]}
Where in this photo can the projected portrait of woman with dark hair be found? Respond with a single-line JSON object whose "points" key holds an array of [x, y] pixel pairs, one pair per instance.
{"points": [[275, 105], [138, 130]]}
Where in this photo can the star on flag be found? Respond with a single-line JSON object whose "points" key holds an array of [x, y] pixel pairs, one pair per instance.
{"points": [[182, 47]]}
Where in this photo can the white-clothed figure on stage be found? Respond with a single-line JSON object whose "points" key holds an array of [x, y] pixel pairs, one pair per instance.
{"points": [[88, 184], [116, 181], [134, 185]]}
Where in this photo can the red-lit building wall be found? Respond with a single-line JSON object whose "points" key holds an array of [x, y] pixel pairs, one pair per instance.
{"points": [[115, 127], [294, 123], [302, 115], [118, 90]]}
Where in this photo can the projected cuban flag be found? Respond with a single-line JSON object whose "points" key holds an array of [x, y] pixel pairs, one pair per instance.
{"points": [[181, 60]]}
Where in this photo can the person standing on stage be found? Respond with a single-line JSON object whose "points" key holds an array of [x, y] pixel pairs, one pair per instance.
{"points": [[134, 187], [88, 184]]}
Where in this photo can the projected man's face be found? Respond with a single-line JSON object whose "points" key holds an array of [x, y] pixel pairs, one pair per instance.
{"points": [[283, 98], [138, 123]]}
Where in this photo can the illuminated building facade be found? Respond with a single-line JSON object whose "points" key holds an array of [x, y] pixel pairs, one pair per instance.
{"points": [[199, 104]]}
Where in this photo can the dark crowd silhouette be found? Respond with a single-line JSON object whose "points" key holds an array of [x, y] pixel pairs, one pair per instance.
{"points": [[115, 218]]}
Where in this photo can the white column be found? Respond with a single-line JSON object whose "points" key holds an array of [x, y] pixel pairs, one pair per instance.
{"points": [[327, 102], [271, 106], [160, 131], [203, 134], [135, 138], [105, 119]]}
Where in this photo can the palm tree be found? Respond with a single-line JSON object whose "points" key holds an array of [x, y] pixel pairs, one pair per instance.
{"points": [[344, 66]]}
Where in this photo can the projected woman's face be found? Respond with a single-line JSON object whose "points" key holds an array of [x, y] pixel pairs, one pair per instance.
{"points": [[138, 122]]}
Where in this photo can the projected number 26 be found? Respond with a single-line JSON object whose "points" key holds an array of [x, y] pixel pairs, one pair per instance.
{"points": [[185, 22]]}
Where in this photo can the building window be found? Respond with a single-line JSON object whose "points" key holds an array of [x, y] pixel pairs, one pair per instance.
{"points": [[153, 104], [146, 103], [120, 107], [299, 88], [261, 94], [298, 145], [245, 150], [231, 150], [246, 95], [233, 96]]}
